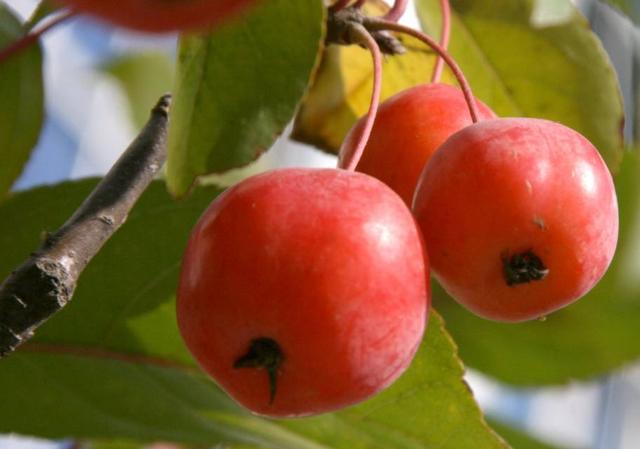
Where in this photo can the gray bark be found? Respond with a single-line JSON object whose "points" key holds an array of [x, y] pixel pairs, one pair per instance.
{"points": [[45, 282]]}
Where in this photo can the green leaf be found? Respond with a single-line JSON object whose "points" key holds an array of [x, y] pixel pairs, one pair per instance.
{"points": [[112, 364], [428, 407], [44, 8], [595, 335], [536, 58], [237, 88], [341, 88], [144, 77], [113, 444], [22, 112], [131, 444]]}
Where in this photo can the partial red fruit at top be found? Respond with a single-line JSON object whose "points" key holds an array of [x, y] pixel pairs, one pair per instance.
{"points": [[408, 129], [303, 291], [519, 216], [161, 15]]}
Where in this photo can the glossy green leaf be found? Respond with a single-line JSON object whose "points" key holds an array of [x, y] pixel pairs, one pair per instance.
{"points": [[595, 335], [21, 91], [237, 88], [112, 364], [536, 58], [144, 78]]}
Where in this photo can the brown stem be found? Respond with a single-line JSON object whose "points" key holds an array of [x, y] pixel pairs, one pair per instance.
{"points": [[28, 39], [339, 4], [339, 31], [361, 35], [45, 282], [375, 24]]}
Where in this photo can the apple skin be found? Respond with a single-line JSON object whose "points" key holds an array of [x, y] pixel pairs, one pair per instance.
{"points": [[158, 16], [409, 127], [328, 263], [513, 186]]}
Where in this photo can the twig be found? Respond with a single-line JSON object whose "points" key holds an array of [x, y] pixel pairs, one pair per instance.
{"points": [[28, 39], [340, 26], [45, 282]]}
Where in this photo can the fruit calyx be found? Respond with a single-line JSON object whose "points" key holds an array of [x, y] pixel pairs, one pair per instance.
{"points": [[522, 268], [263, 353]]}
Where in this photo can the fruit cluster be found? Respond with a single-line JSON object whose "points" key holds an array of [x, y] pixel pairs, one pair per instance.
{"points": [[303, 291], [519, 215]]}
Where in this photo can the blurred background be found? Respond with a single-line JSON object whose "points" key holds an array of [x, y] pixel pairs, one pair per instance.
{"points": [[90, 121]]}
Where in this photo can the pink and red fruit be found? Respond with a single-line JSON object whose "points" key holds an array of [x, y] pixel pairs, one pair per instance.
{"points": [[519, 217], [161, 15], [409, 127], [303, 291]]}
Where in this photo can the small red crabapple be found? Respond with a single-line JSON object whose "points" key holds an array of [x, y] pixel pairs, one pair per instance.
{"points": [[519, 216], [303, 291]]}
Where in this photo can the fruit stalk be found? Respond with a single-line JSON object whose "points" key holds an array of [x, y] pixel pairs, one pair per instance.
{"points": [[396, 11], [376, 24], [28, 39], [445, 33], [45, 282], [361, 35]]}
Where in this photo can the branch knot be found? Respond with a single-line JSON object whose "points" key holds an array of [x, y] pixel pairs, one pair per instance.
{"points": [[340, 31]]}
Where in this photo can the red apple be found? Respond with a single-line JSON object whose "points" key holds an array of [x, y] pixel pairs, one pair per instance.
{"points": [[161, 15], [409, 127], [303, 291], [519, 216]]}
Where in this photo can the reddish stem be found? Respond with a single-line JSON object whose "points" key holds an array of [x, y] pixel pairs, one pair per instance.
{"points": [[374, 24], [396, 11], [28, 39], [339, 4], [363, 36], [444, 39], [105, 354]]}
